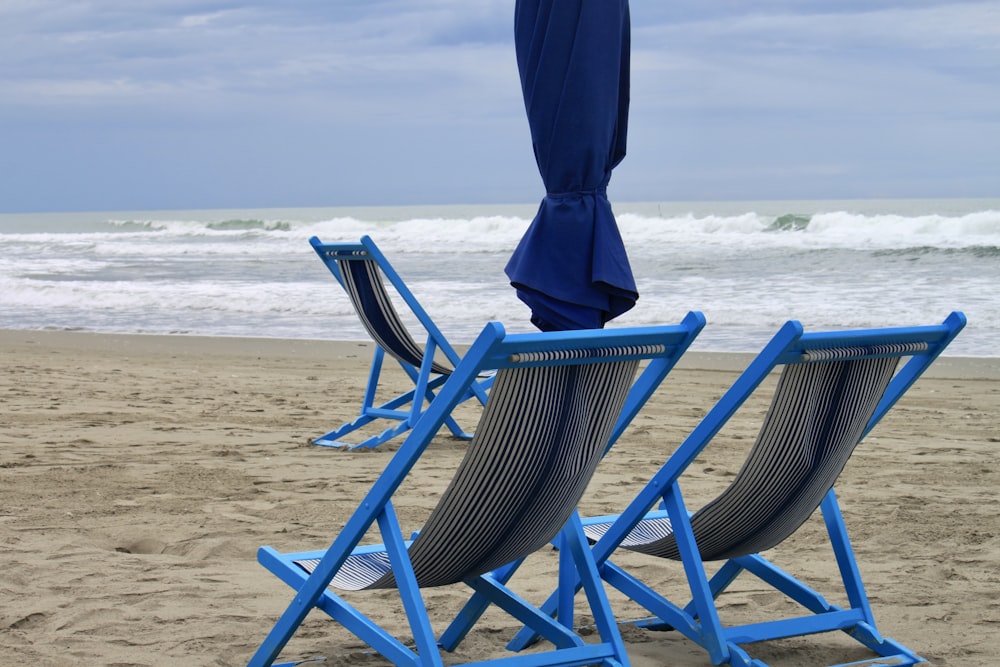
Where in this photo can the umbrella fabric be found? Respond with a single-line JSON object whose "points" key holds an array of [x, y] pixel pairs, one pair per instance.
{"points": [[571, 267]]}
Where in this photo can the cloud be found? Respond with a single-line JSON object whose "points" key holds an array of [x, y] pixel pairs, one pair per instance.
{"points": [[355, 60], [783, 99], [729, 99]]}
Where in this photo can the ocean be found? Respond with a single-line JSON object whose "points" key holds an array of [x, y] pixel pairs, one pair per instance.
{"points": [[749, 266]]}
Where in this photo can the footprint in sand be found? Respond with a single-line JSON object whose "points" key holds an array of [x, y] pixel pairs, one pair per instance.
{"points": [[145, 545]]}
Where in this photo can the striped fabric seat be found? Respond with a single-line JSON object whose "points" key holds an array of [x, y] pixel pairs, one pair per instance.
{"points": [[834, 387], [363, 284], [539, 441], [558, 401], [364, 271], [817, 416]]}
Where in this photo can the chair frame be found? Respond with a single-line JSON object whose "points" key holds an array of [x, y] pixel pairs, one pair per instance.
{"points": [[699, 619], [418, 364], [661, 347]]}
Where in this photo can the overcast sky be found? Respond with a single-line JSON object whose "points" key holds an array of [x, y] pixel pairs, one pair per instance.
{"points": [[171, 104]]}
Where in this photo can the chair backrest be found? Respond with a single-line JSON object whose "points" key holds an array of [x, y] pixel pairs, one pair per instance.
{"points": [[541, 436], [360, 268], [832, 391]]}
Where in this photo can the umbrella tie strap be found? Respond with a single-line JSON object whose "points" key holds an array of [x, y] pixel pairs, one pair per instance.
{"points": [[597, 192]]}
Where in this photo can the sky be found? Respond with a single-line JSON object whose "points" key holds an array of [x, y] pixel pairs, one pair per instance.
{"points": [[187, 104]]}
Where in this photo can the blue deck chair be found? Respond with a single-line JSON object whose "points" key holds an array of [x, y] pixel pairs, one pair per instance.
{"points": [[832, 390], [557, 401], [360, 269]]}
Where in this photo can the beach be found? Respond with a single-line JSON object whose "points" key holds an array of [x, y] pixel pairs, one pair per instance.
{"points": [[140, 474]]}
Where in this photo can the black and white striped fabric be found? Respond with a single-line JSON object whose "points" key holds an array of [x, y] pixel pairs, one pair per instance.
{"points": [[893, 349], [537, 445], [364, 286], [817, 417]]}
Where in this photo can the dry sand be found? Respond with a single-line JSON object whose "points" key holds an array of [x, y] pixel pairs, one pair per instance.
{"points": [[139, 475]]}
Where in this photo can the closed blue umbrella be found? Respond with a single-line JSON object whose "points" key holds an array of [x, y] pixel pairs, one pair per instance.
{"points": [[571, 267]]}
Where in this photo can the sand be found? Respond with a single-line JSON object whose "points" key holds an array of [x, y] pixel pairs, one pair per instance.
{"points": [[139, 475]]}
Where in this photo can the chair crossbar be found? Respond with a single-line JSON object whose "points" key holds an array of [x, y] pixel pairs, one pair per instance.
{"points": [[345, 253], [566, 355], [864, 352], [832, 619]]}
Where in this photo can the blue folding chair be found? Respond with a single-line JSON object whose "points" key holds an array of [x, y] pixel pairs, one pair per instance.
{"points": [[833, 389], [558, 400], [361, 269]]}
